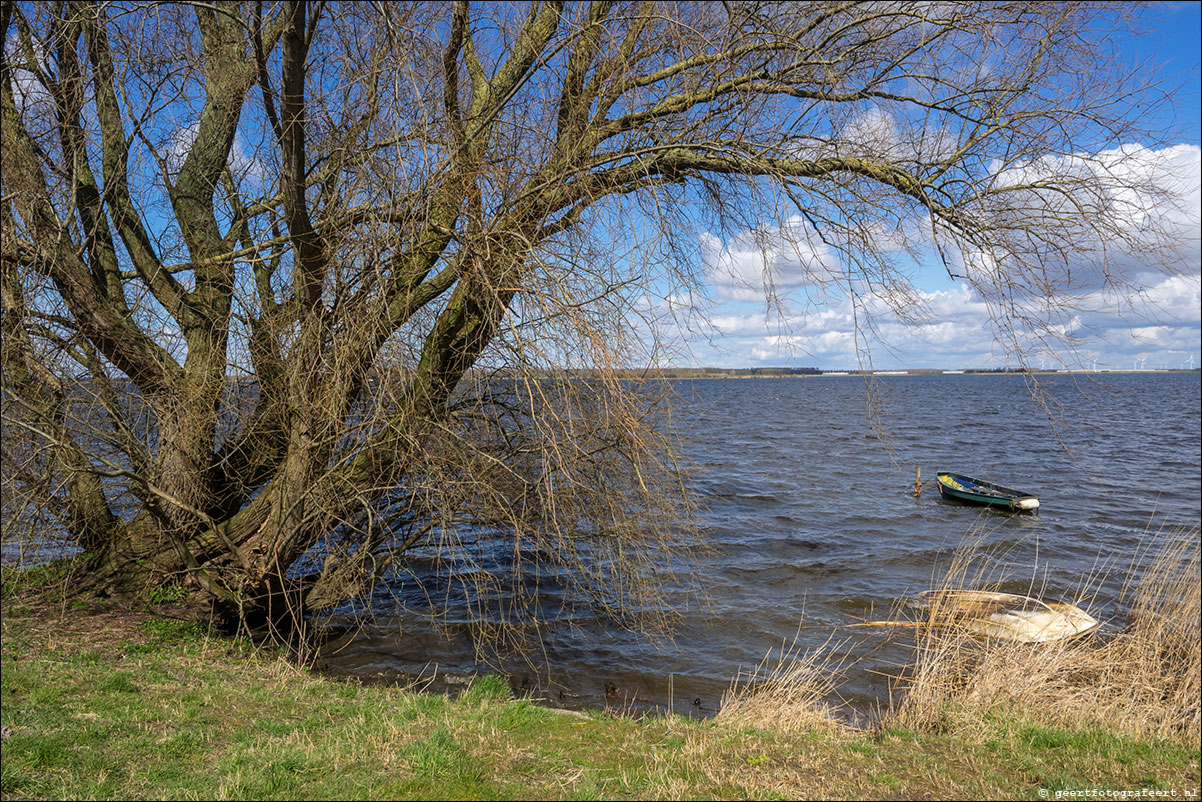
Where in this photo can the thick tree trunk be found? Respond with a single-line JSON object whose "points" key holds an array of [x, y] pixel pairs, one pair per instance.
{"points": [[261, 602], [134, 560]]}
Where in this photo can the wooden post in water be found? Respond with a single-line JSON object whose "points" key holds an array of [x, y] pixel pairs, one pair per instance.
{"points": [[917, 481]]}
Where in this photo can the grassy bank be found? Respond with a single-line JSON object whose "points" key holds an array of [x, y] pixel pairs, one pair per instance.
{"points": [[104, 703]]}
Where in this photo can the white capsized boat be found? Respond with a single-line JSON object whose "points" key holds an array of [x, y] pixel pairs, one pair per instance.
{"points": [[1005, 616]]}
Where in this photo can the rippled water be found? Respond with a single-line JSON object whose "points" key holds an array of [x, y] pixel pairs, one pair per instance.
{"points": [[810, 513]]}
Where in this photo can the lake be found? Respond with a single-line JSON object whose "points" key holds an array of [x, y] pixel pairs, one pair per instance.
{"points": [[806, 484]]}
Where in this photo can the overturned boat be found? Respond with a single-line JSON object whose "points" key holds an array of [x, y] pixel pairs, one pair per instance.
{"points": [[998, 616], [1006, 616]]}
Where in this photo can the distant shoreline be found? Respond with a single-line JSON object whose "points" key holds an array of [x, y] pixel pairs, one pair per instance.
{"points": [[806, 373]]}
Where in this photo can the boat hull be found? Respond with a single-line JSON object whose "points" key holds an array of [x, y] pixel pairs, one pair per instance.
{"points": [[967, 490], [1005, 616]]}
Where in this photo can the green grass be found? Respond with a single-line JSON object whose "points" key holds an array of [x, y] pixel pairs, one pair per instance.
{"points": [[96, 704], [14, 582]]}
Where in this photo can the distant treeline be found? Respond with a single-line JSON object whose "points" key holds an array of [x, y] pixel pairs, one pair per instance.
{"points": [[729, 373], [694, 373], [780, 372]]}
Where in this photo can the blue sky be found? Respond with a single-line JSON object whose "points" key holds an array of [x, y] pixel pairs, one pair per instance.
{"points": [[731, 323], [1160, 327]]}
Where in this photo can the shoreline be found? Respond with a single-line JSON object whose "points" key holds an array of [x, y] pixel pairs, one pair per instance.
{"points": [[106, 702], [686, 374]]}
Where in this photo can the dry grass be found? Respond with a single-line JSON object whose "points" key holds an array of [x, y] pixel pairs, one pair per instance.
{"points": [[1143, 680], [787, 693], [1141, 677]]}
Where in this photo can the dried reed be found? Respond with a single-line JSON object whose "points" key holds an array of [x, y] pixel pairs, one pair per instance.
{"points": [[1145, 679], [788, 692]]}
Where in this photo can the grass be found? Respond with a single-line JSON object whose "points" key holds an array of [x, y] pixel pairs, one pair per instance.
{"points": [[785, 694], [156, 709], [1145, 680], [101, 702]]}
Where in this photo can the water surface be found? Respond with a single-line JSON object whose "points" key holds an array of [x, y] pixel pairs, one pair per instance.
{"points": [[806, 484]]}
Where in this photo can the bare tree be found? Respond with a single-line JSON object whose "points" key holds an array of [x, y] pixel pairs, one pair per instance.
{"points": [[299, 281]]}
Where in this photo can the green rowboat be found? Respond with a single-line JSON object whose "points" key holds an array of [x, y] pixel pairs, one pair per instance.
{"points": [[958, 487]]}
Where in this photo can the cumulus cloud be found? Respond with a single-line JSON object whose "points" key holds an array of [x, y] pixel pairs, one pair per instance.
{"points": [[956, 332], [770, 260], [1110, 217], [1122, 289], [1178, 297], [876, 133], [34, 102], [243, 165]]}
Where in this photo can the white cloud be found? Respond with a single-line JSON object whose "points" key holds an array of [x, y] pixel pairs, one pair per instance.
{"points": [[243, 165], [769, 261], [955, 333], [874, 132], [1111, 215], [34, 102], [1179, 297], [179, 146]]}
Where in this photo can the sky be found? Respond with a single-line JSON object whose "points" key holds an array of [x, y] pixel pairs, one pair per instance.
{"points": [[734, 326], [730, 323]]}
